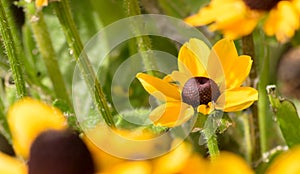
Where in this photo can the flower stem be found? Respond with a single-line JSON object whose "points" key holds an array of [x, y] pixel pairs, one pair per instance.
{"points": [[10, 45], [63, 12], [41, 35], [213, 149], [263, 104], [132, 8], [255, 126]]}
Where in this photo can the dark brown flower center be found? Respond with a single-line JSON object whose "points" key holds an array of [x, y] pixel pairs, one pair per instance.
{"points": [[59, 152], [264, 5], [199, 90]]}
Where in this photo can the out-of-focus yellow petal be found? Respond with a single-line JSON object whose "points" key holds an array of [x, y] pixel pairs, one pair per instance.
{"points": [[205, 109], [131, 167], [195, 163], [189, 62], [103, 161], [239, 28], [128, 144], [41, 3], [287, 162], [221, 59], [216, 11], [10, 165], [159, 88], [28, 118], [171, 114], [237, 99], [174, 161], [296, 4], [229, 163], [239, 72], [283, 21]]}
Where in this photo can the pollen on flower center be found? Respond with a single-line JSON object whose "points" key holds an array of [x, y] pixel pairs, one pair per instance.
{"points": [[199, 90], [265, 5]]}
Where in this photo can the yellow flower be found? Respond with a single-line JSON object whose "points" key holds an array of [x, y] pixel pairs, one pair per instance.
{"points": [[206, 80], [236, 18], [27, 119], [287, 162]]}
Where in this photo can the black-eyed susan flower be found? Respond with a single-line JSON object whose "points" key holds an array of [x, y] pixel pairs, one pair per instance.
{"points": [[206, 80], [42, 142], [236, 18]]}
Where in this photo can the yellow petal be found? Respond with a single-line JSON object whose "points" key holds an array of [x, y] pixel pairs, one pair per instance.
{"points": [[102, 160], [174, 161], [27, 119], [229, 163], [237, 99], [159, 88], [239, 28], [41, 3], [221, 60], [10, 165], [200, 49], [131, 167], [189, 62], [283, 21], [171, 114], [177, 76], [205, 109], [239, 72], [195, 163], [287, 162]]}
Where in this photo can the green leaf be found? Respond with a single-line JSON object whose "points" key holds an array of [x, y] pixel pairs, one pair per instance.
{"points": [[286, 115], [181, 8]]}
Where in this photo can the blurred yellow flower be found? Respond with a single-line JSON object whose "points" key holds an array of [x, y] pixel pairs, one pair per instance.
{"points": [[206, 80], [287, 162], [236, 18], [28, 118]]}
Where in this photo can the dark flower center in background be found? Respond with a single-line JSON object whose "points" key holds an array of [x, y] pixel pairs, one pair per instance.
{"points": [[199, 90], [59, 152], [264, 5]]}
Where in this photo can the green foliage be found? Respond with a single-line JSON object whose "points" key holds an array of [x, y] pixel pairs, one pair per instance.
{"points": [[287, 117]]}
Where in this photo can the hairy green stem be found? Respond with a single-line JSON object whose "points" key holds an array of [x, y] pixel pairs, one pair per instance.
{"points": [[63, 12], [10, 45], [213, 149], [43, 40], [132, 8]]}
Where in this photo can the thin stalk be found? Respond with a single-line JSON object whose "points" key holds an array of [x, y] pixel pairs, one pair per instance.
{"points": [[63, 12], [132, 8], [263, 104], [213, 149], [10, 45], [44, 43], [258, 136], [247, 137]]}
